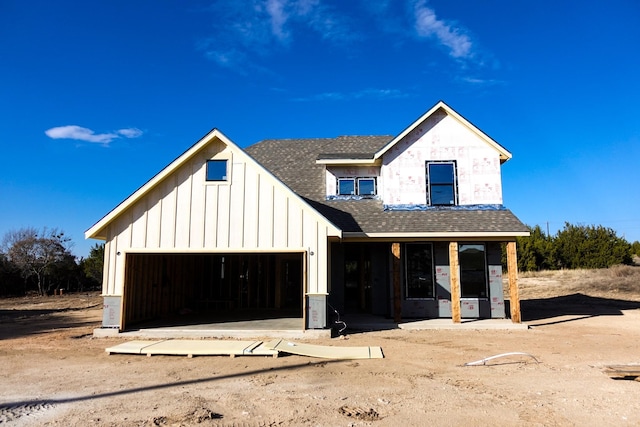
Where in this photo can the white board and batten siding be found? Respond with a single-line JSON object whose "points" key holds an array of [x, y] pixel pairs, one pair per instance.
{"points": [[183, 213]]}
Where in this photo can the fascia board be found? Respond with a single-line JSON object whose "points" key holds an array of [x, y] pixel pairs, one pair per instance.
{"points": [[232, 250], [337, 162], [438, 235]]}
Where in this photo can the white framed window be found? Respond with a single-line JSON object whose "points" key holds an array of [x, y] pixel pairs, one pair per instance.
{"points": [[357, 186], [217, 170], [346, 186], [367, 186]]}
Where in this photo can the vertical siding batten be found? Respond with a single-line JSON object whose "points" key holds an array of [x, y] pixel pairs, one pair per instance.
{"points": [[266, 214], [210, 215], [322, 248], [153, 219], [107, 270], [237, 213], [224, 214], [183, 207], [251, 209], [272, 207], [196, 241], [310, 241], [168, 223], [139, 223]]}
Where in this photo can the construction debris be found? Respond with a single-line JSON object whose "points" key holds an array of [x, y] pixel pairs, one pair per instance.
{"points": [[624, 372], [487, 359], [232, 348]]}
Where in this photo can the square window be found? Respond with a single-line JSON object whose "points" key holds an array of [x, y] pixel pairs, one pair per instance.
{"points": [[216, 170], [346, 186], [367, 187]]}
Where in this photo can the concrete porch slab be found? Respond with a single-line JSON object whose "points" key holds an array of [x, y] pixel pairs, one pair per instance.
{"points": [[465, 324], [286, 328]]}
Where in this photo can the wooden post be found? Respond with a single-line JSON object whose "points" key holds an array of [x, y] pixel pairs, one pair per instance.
{"points": [[454, 275], [514, 295], [397, 289]]}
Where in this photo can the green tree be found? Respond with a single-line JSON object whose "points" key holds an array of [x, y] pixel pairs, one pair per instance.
{"points": [[93, 264], [535, 251], [635, 248], [589, 247]]}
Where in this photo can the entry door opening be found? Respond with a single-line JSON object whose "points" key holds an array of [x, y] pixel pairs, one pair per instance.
{"points": [[473, 271], [357, 278]]}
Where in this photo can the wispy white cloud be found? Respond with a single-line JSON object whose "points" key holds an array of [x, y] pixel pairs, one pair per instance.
{"points": [[79, 133], [482, 82], [278, 18], [447, 34], [363, 94], [130, 132], [247, 32], [243, 31]]}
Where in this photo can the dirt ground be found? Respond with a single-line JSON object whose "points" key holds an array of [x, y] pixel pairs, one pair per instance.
{"points": [[54, 373]]}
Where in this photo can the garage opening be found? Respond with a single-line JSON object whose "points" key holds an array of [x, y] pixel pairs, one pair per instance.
{"points": [[183, 289]]}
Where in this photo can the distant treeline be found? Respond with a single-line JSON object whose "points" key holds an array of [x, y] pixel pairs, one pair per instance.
{"points": [[575, 246], [41, 261]]}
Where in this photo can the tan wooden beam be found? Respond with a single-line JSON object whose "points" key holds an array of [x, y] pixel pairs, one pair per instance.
{"points": [[514, 295], [454, 277], [397, 286]]}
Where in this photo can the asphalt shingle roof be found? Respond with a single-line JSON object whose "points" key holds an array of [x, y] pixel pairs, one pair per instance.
{"points": [[293, 161]]}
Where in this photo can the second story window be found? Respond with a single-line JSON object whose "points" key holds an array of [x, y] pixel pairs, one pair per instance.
{"points": [[441, 183], [346, 186], [217, 170], [357, 186], [367, 186]]}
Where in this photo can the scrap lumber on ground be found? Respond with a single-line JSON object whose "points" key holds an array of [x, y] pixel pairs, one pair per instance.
{"points": [[625, 372]]}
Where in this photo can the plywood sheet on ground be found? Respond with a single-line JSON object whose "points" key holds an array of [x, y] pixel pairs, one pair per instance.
{"points": [[193, 348], [624, 371], [325, 352]]}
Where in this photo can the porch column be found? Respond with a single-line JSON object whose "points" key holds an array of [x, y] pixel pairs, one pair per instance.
{"points": [[397, 289], [454, 274], [514, 295]]}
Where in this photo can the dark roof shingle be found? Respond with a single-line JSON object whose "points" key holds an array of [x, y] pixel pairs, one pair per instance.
{"points": [[293, 161]]}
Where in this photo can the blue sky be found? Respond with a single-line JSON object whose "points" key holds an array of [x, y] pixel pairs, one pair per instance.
{"points": [[98, 96]]}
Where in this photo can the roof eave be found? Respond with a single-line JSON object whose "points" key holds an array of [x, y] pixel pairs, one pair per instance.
{"points": [[457, 235], [338, 162]]}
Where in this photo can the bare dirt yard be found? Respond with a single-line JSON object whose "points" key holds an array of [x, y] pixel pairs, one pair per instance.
{"points": [[54, 373]]}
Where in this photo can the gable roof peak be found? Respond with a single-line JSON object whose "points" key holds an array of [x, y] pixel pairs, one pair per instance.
{"points": [[441, 105]]}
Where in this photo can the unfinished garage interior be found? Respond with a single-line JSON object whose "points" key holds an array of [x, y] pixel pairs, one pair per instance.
{"points": [[181, 289]]}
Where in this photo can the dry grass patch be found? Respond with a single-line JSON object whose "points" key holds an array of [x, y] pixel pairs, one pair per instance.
{"points": [[622, 281]]}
